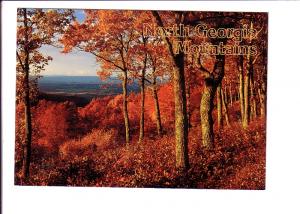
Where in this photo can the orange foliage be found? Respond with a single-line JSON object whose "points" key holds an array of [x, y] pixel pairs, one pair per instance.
{"points": [[95, 141], [83, 146], [54, 123], [166, 105], [237, 162]]}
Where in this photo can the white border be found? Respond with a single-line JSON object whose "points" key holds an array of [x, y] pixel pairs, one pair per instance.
{"points": [[282, 129]]}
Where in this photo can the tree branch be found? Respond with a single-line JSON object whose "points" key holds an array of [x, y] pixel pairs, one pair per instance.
{"points": [[21, 63], [160, 23], [101, 57]]}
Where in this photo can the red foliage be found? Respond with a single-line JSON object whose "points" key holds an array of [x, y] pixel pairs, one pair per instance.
{"points": [[92, 115], [54, 123], [166, 105], [89, 141]]}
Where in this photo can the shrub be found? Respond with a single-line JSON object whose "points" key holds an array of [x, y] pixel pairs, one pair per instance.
{"points": [[95, 141]]}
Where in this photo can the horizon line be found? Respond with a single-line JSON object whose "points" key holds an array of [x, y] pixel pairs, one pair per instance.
{"points": [[59, 75]]}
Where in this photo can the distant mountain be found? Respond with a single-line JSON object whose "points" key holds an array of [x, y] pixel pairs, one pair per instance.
{"points": [[86, 87], [76, 79]]}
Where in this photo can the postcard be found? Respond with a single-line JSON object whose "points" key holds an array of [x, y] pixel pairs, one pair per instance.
{"points": [[141, 98]]}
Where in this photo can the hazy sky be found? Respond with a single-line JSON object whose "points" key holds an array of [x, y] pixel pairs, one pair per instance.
{"points": [[76, 63]]}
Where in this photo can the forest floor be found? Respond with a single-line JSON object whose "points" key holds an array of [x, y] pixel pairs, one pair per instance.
{"points": [[237, 161]]}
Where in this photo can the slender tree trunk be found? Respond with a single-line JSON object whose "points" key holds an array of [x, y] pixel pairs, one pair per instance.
{"points": [[142, 117], [188, 101], [225, 94], [181, 122], [28, 126], [230, 94], [225, 112], [254, 107], [241, 87], [125, 107], [246, 100], [253, 113], [219, 107], [251, 100], [261, 94], [249, 70], [157, 110]]}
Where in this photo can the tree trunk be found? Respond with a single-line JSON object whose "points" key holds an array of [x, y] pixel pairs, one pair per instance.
{"points": [[188, 101], [181, 122], [28, 126], [157, 110], [219, 107], [253, 113], [225, 112], [241, 87], [125, 107], [225, 94], [206, 106], [261, 94], [249, 70], [230, 95], [142, 118], [246, 100]]}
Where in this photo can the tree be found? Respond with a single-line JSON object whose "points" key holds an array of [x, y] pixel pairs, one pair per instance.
{"points": [[181, 117], [140, 67], [36, 27], [55, 122], [249, 79], [211, 82], [158, 56], [110, 43], [152, 70], [220, 106], [213, 79]]}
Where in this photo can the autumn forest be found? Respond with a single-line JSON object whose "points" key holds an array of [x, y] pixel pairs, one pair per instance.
{"points": [[196, 120]]}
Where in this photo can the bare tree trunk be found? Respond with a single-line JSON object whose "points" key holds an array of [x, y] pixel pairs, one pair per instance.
{"points": [[241, 86], [253, 113], [247, 90], [28, 126], [254, 108], [142, 117], [206, 106], [262, 98], [181, 122], [225, 112], [230, 95], [125, 107], [157, 110], [249, 70], [246, 100], [219, 107], [225, 94], [188, 101]]}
